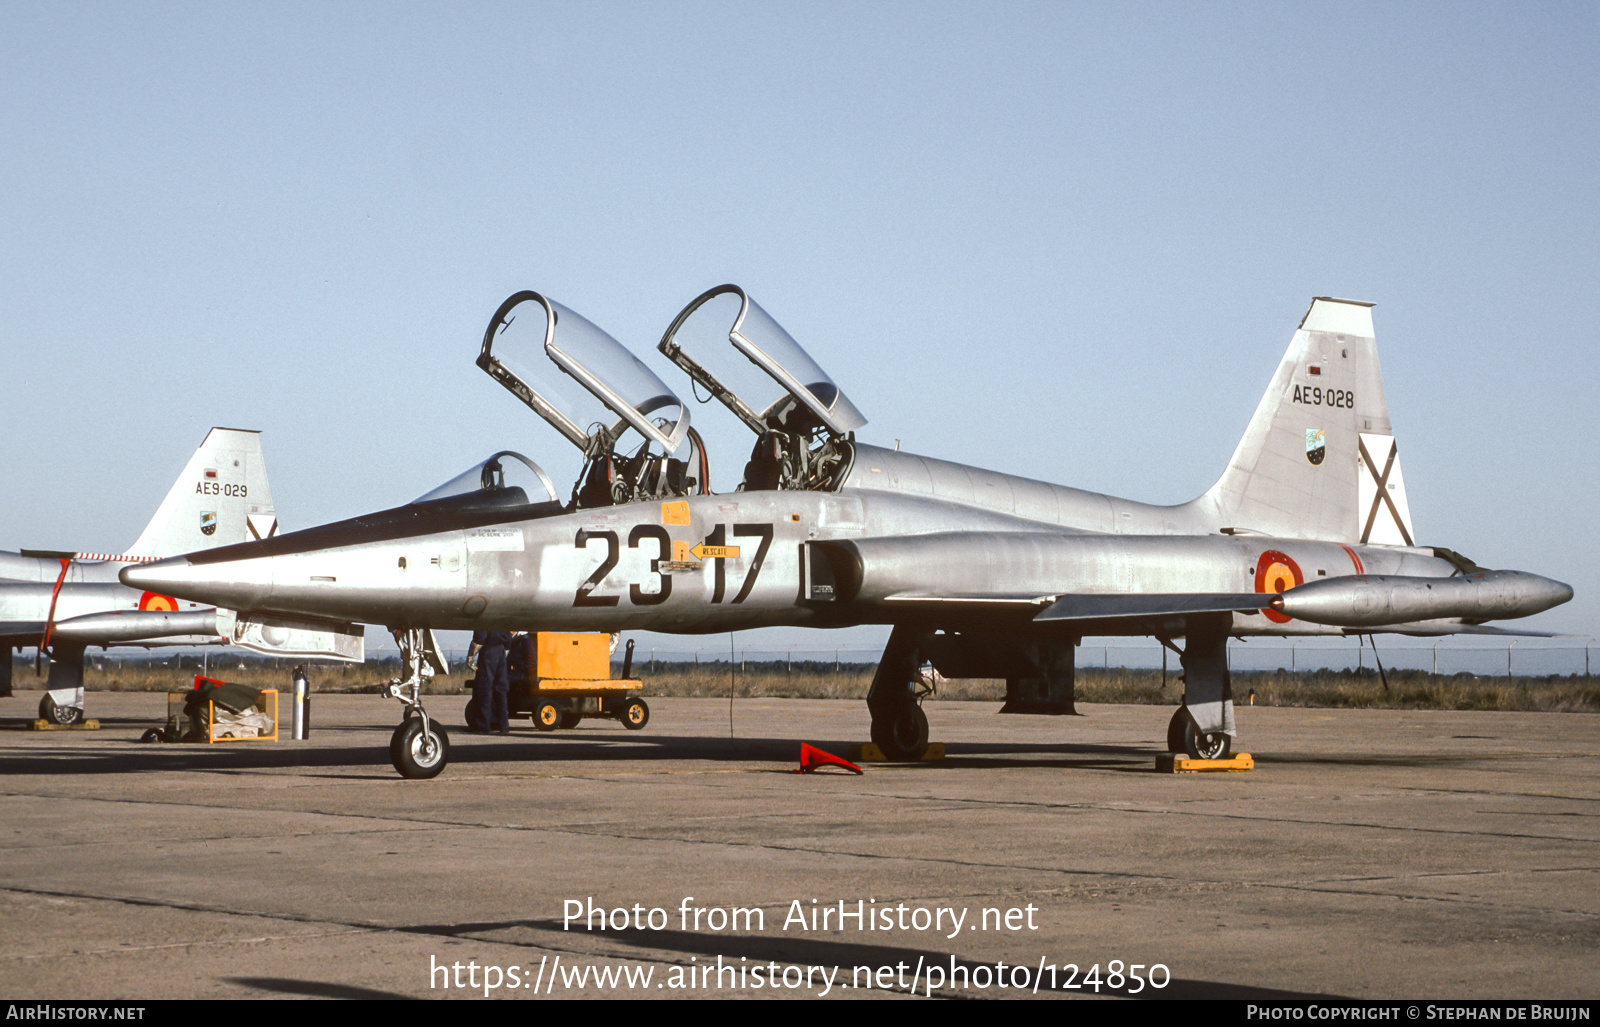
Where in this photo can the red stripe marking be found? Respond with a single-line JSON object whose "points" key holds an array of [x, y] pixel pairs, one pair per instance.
{"points": [[1354, 558]]}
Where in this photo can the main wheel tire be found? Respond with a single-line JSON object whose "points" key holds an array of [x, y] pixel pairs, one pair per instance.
{"points": [[1180, 717], [63, 715], [903, 739], [635, 714], [547, 716], [413, 755], [1205, 745], [570, 720]]}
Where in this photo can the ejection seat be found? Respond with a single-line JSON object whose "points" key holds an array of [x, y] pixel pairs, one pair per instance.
{"points": [[765, 469]]}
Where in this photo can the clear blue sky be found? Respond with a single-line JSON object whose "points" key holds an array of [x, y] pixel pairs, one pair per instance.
{"points": [[1063, 240]]}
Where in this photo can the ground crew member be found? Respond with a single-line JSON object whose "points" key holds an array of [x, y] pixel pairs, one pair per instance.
{"points": [[489, 710]]}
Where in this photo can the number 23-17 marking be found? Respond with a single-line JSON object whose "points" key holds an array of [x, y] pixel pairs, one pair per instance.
{"points": [[636, 595]]}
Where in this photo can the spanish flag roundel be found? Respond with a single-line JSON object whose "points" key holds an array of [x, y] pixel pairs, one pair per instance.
{"points": [[1277, 572], [156, 601]]}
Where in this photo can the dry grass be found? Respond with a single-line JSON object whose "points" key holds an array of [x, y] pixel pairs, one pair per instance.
{"points": [[1406, 689], [173, 675]]}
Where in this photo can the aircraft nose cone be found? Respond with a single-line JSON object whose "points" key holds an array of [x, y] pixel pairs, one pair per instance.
{"points": [[233, 584], [152, 577]]}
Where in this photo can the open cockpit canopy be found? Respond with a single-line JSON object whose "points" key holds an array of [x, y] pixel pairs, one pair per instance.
{"points": [[793, 394], [530, 332], [802, 420]]}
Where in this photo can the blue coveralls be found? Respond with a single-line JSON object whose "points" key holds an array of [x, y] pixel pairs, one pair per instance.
{"points": [[489, 709]]}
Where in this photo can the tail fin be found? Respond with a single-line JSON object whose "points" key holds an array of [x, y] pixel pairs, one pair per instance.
{"points": [[220, 498], [1319, 459]]}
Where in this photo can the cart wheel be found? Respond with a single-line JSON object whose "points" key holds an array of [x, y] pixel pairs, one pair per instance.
{"points": [[570, 720], [547, 716], [413, 755], [154, 734], [635, 714]]}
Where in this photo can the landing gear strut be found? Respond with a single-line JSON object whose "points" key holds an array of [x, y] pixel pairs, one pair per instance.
{"points": [[420, 748], [1203, 726], [899, 727], [63, 695]]}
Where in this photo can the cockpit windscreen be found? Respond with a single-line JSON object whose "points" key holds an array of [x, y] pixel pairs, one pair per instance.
{"points": [[504, 473]]}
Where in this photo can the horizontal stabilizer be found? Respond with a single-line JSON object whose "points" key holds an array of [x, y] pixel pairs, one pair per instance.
{"points": [[1101, 607]]}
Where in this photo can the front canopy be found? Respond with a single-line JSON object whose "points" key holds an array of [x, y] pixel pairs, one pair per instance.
{"points": [[504, 473]]}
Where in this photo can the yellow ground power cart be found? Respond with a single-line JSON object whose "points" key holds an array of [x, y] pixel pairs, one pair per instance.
{"points": [[570, 678]]}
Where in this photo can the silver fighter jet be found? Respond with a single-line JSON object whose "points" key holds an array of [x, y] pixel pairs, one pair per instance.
{"points": [[63, 602], [981, 573]]}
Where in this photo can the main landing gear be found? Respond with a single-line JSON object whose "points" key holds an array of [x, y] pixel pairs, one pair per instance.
{"points": [[904, 737], [54, 713], [899, 727], [63, 697], [1039, 679], [1203, 726], [1185, 737], [420, 747]]}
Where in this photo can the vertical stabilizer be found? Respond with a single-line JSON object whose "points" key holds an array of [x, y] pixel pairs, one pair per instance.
{"points": [[220, 498], [1319, 458]]}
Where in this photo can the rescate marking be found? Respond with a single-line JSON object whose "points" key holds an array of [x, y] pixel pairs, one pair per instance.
{"points": [[701, 551]]}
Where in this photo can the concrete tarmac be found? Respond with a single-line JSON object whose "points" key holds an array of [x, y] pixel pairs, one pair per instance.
{"points": [[1370, 854]]}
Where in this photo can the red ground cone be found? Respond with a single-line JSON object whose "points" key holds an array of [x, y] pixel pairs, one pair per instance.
{"points": [[812, 757]]}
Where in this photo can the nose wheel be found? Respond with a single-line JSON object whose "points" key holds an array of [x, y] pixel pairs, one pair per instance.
{"points": [[419, 747], [417, 752]]}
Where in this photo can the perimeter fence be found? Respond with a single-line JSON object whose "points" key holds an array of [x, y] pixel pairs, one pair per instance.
{"points": [[1510, 658]]}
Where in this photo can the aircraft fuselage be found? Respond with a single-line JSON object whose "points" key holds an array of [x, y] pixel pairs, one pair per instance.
{"points": [[732, 562]]}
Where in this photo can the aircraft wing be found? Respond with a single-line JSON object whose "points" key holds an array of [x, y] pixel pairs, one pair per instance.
{"points": [[1064, 607], [1103, 607], [946, 599]]}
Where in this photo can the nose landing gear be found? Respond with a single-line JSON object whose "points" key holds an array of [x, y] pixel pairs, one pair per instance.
{"points": [[419, 748]]}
